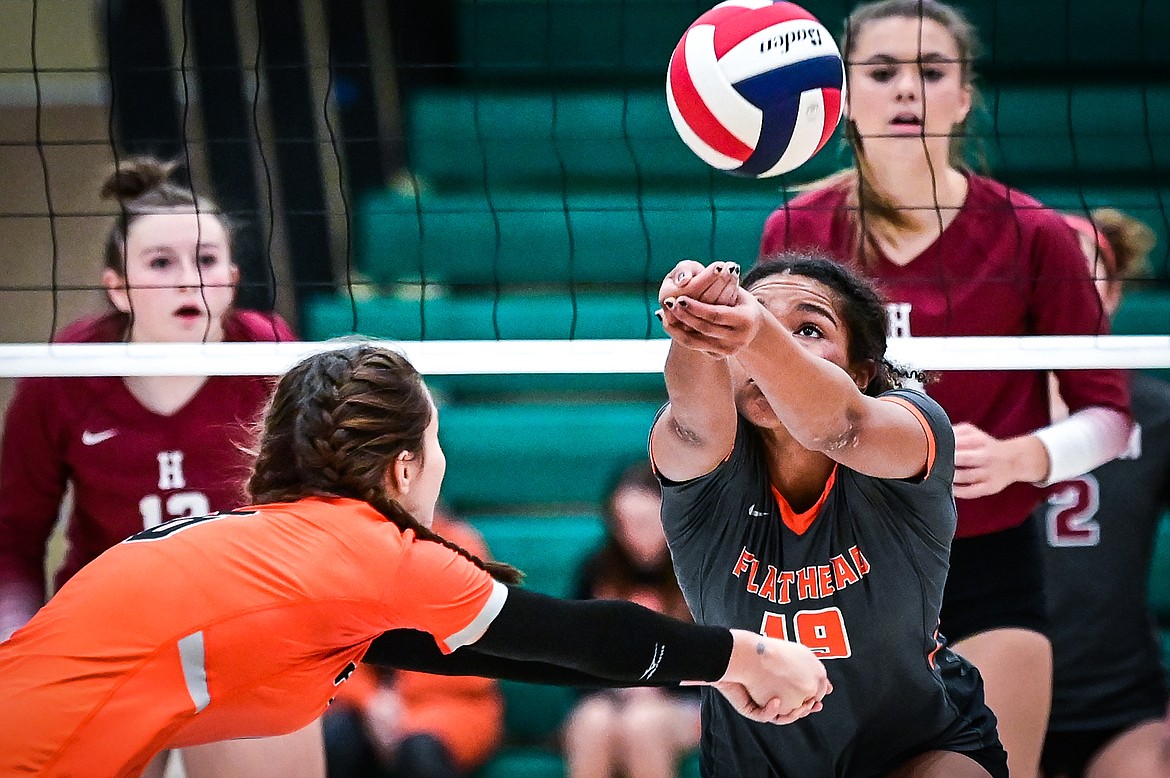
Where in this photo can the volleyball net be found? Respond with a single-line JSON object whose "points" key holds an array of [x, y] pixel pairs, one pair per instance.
{"points": [[494, 186]]}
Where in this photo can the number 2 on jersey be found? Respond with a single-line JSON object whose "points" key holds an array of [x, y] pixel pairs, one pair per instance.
{"points": [[823, 631], [1071, 513]]}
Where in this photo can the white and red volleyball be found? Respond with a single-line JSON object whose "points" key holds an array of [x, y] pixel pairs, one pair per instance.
{"points": [[755, 87]]}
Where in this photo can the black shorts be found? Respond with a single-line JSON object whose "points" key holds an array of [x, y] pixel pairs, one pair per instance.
{"points": [[1068, 753], [974, 734], [995, 581]]}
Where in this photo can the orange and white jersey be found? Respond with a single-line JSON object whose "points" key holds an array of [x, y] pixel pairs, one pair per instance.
{"points": [[233, 625]]}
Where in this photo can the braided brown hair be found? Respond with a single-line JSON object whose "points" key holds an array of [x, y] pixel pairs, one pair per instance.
{"points": [[335, 421]]}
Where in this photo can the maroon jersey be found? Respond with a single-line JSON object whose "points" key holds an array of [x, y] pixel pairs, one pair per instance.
{"points": [[130, 468], [1005, 266]]}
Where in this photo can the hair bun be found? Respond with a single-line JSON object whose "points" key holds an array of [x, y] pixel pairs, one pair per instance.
{"points": [[135, 176]]}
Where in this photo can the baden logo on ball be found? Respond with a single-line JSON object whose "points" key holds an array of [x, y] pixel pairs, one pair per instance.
{"points": [[756, 88]]}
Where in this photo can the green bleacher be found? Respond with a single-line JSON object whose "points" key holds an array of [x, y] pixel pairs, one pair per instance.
{"points": [[534, 40], [533, 712], [550, 194]]}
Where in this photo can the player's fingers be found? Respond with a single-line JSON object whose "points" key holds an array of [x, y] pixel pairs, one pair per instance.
{"points": [[726, 286], [696, 341], [795, 714], [707, 284], [974, 490], [678, 278], [968, 457], [705, 317]]}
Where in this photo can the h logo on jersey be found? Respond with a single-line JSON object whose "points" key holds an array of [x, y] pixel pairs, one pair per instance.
{"points": [[898, 320], [170, 470]]}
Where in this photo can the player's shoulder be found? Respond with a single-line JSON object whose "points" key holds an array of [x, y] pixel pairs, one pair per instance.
{"points": [[242, 325], [915, 397], [1025, 210], [462, 534], [805, 220], [64, 391], [931, 413], [106, 328]]}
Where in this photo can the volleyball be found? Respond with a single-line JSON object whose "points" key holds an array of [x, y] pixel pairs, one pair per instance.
{"points": [[756, 88]]}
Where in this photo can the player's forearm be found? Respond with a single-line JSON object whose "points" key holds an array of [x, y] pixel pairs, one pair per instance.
{"points": [[699, 388], [590, 643], [609, 639], [1073, 446], [407, 649], [697, 430], [817, 401]]}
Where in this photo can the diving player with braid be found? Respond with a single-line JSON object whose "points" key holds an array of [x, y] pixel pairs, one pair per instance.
{"points": [[252, 617], [806, 497]]}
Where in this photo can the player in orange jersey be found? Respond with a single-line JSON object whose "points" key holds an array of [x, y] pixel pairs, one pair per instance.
{"points": [[242, 623]]}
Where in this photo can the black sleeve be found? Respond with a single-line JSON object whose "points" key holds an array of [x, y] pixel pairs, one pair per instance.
{"points": [[408, 649], [599, 642]]}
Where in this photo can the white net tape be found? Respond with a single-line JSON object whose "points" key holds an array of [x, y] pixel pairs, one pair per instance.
{"points": [[568, 357]]}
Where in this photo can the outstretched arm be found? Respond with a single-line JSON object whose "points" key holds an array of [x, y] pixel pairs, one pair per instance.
{"points": [[818, 402], [696, 431], [611, 643]]}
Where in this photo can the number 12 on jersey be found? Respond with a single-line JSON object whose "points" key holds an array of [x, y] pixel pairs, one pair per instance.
{"points": [[823, 631]]}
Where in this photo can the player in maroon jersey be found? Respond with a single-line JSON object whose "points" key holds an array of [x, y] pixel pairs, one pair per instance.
{"points": [[142, 450], [1109, 686], [959, 254]]}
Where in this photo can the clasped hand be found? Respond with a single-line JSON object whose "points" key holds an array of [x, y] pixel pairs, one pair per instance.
{"points": [[705, 308], [772, 680]]}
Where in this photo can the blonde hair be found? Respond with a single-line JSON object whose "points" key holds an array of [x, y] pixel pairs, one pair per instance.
{"points": [[1130, 239]]}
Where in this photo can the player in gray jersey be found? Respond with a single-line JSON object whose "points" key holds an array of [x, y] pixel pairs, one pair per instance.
{"points": [[1109, 686], [807, 498]]}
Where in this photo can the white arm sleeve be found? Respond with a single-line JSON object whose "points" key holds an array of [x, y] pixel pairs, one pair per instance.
{"points": [[1085, 440]]}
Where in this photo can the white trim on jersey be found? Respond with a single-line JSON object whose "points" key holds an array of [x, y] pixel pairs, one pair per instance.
{"points": [[192, 659], [474, 631]]}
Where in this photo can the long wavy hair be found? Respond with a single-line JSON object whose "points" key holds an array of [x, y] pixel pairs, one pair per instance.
{"points": [[335, 422], [876, 213]]}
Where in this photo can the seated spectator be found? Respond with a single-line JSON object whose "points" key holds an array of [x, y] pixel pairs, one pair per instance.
{"points": [[402, 724], [639, 732]]}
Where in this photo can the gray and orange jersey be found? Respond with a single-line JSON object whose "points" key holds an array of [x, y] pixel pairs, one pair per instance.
{"points": [[858, 578], [1099, 539]]}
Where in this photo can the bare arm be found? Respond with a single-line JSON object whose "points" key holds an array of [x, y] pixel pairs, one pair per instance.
{"points": [[823, 408], [818, 402], [1065, 449], [697, 429]]}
